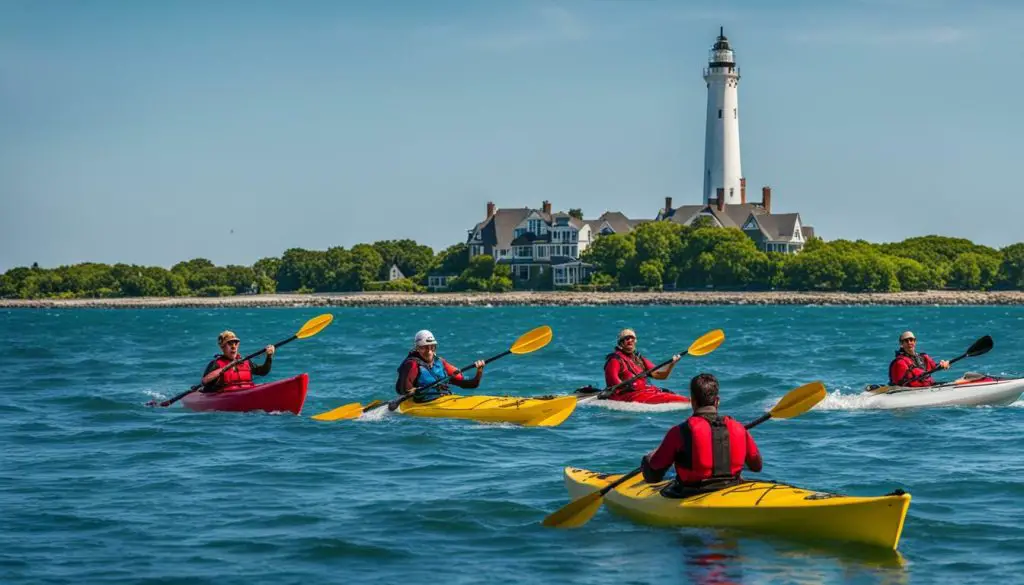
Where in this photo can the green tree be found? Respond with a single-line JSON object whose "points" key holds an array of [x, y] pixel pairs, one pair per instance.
{"points": [[411, 258], [650, 272], [577, 213], [972, 271], [1011, 270], [367, 264], [611, 254]]}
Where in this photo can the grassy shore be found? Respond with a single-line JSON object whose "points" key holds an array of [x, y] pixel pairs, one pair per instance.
{"points": [[557, 298]]}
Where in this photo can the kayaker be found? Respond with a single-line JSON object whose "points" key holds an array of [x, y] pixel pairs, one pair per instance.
{"points": [[626, 362], [909, 364], [225, 372], [423, 367], [708, 450]]}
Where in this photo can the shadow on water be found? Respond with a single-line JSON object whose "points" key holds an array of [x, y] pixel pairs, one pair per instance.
{"points": [[722, 558]]}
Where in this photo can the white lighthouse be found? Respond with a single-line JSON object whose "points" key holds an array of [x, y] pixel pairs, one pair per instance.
{"points": [[722, 134]]}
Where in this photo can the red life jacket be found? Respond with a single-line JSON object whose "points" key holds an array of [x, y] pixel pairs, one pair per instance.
{"points": [[632, 365], [714, 450], [234, 378], [915, 365]]}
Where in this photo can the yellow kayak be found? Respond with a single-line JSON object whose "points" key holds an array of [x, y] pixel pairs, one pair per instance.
{"points": [[757, 506], [531, 412]]}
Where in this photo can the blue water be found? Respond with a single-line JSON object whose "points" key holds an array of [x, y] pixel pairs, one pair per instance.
{"points": [[97, 488]]}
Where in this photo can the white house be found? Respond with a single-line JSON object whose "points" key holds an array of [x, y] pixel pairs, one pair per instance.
{"points": [[394, 273], [532, 241]]}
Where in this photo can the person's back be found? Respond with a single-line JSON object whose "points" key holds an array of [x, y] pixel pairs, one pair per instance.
{"points": [[708, 450]]}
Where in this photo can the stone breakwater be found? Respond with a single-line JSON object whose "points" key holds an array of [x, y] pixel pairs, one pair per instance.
{"points": [[520, 298]]}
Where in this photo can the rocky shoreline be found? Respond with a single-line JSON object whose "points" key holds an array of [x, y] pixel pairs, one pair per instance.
{"points": [[537, 298]]}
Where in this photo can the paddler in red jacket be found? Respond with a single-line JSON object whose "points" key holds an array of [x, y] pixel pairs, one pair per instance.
{"points": [[225, 372], [422, 367], [909, 364], [626, 362], [708, 450]]}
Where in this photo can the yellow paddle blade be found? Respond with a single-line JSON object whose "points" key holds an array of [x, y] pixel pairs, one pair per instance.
{"points": [[532, 340], [707, 343], [576, 513], [799, 400], [315, 325], [348, 411]]}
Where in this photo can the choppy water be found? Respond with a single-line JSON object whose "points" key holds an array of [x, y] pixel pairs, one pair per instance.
{"points": [[97, 488]]}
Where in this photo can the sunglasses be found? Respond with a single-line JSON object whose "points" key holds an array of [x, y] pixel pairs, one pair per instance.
{"points": [[628, 337], [235, 342], [909, 339]]}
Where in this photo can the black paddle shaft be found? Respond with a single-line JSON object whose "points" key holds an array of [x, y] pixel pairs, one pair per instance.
{"points": [[392, 405], [977, 348], [246, 358], [633, 473]]}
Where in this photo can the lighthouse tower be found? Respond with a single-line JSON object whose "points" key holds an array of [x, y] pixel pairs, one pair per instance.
{"points": [[722, 134]]}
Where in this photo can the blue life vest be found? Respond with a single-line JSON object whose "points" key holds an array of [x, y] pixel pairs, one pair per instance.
{"points": [[428, 375]]}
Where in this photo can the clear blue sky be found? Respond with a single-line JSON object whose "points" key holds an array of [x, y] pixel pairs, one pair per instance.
{"points": [[145, 132]]}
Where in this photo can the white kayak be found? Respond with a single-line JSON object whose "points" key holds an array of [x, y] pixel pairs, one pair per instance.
{"points": [[981, 392]]}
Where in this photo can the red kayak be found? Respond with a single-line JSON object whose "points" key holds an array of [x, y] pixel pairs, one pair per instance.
{"points": [[645, 396], [281, 396], [649, 396]]}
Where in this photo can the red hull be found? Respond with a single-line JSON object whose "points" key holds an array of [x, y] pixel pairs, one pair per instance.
{"points": [[281, 396], [650, 396]]}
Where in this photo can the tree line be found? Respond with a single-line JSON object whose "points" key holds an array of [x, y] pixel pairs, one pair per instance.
{"points": [[655, 255], [668, 255]]}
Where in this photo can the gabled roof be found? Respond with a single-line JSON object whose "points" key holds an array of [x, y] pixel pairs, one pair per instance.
{"points": [[778, 226], [730, 216], [497, 231], [616, 220]]}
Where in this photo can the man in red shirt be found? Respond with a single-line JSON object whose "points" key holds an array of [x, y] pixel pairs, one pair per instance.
{"points": [[708, 450], [908, 364]]}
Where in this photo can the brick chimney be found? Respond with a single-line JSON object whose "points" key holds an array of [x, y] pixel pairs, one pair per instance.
{"points": [[668, 205], [490, 209], [766, 198], [546, 207], [721, 199], [743, 190]]}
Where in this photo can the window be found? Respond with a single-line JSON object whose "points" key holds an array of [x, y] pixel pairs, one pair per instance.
{"points": [[719, 113], [542, 251], [734, 116], [575, 252], [560, 276], [574, 236], [518, 232], [523, 272], [533, 225]]}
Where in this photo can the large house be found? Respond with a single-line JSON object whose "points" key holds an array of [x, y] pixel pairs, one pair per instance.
{"points": [[772, 232], [533, 241]]}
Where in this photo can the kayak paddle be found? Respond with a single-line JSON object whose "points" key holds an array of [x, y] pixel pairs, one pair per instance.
{"points": [[704, 345], [527, 343], [981, 346], [578, 512], [311, 328]]}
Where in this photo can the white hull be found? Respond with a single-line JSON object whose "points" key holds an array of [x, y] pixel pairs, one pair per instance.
{"points": [[998, 393]]}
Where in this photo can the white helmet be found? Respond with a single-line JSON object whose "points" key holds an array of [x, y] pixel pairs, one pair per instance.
{"points": [[424, 337]]}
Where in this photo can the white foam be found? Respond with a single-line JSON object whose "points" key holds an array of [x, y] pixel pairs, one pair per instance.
{"points": [[836, 400], [633, 406]]}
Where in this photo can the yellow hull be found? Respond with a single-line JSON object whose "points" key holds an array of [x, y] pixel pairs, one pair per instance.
{"points": [[757, 506], [531, 412]]}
